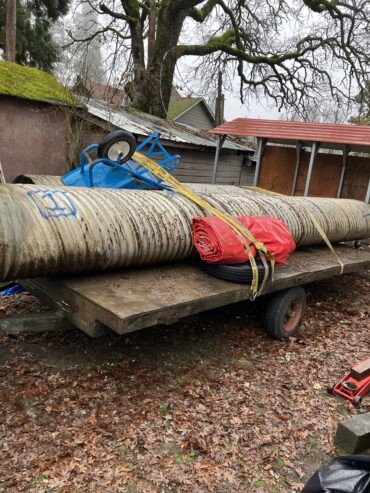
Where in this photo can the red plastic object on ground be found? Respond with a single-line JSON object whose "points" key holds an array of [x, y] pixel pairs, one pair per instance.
{"points": [[218, 243], [355, 384]]}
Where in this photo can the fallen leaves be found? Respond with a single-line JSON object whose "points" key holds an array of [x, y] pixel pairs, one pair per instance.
{"points": [[20, 303], [211, 407]]}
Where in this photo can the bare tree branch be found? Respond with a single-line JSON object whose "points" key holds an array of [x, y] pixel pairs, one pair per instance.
{"points": [[290, 51]]}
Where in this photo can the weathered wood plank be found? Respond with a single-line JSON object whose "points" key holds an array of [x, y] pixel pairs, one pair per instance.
{"points": [[133, 299], [208, 166], [75, 310], [208, 179], [5, 285], [206, 175], [33, 322], [220, 180]]}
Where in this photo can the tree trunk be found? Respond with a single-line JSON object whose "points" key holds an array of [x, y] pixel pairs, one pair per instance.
{"points": [[11, 12], [153, 84], [152, 28]]}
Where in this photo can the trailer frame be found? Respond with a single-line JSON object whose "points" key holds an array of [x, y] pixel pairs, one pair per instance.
{"points": [[132, 299]]}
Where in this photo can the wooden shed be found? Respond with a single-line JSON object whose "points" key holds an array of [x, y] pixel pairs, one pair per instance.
{"points": [[34, 122], [196, 148], [299, 158]]}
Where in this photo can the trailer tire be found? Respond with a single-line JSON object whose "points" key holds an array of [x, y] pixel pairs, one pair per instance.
{"points": [[106, 149], [240, 273], [284, 313]]}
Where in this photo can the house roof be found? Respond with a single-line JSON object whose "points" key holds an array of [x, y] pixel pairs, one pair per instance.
{"points": [[180, 106], [331, 136], [30, 83], [104, 92], [143, 124]]}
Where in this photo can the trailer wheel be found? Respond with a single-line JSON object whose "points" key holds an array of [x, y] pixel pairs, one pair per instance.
{"points": [[285, 312], [119, 143]]}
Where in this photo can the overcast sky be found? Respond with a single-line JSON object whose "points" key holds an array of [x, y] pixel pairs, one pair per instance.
{"points": [[255, 109], [233, 107]]}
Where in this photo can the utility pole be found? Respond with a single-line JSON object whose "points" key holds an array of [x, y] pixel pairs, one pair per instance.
{"points": [[220, 102], [219, 119], [11, 18]]}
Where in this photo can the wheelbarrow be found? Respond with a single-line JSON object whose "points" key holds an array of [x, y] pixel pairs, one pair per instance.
{"points": [[115, 165]]}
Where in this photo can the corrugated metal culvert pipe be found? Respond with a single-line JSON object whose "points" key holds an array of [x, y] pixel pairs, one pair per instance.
{"points": [[45, 231], [49, 180]]}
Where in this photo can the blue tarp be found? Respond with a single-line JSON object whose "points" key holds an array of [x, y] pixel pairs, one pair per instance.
{"points": [[11, 290]]}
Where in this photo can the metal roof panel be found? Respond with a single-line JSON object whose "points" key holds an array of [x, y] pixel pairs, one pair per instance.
{"points": [[143, 124], [358, 135]]}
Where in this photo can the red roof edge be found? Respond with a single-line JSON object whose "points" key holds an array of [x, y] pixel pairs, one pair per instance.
{"points": [[296, 131]]}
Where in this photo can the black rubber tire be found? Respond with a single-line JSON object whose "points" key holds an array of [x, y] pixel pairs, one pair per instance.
{"points": [[357, 400], [357, 244], [276, 309], [113, 138], [330, 388], [240, 273]]}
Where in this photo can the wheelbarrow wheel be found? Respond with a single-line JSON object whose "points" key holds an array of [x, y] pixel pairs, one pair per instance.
{"points": [[357, 400], [118, 146], [284, 312]]}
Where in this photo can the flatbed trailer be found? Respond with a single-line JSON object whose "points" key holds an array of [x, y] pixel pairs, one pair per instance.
{"points": [[131, 299]]}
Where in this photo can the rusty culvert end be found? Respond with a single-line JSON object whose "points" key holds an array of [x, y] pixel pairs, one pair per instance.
{"points": [[45, 231]]}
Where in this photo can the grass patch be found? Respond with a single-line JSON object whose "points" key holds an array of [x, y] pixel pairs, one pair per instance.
{"points": [[279, 463], [312, 441], [185, 458], [245, 362], [37, 481], [261, 483]]}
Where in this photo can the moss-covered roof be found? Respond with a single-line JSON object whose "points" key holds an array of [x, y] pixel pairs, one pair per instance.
{"points": [[178, 106], [33, 84]]}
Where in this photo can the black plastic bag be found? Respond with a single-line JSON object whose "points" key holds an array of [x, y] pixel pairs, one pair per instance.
{"points": [[347, 474]]}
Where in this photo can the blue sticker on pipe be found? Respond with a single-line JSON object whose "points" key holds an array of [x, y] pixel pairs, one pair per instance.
{"points": [[53, 203]]}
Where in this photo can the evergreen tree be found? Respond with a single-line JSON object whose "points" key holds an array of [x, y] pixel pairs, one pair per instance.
{"points": [[34, 42]]}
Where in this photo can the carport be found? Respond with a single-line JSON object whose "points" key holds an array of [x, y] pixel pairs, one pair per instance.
{"points": [[345, 138]]}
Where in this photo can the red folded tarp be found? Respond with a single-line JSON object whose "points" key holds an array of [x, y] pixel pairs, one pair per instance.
{"points": [[218, 243]]}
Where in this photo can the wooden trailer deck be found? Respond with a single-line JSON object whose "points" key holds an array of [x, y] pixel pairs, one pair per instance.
{"points": [[132, 299]]}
